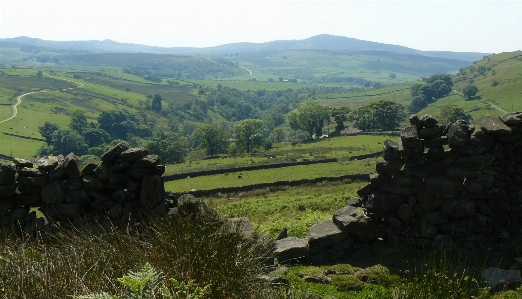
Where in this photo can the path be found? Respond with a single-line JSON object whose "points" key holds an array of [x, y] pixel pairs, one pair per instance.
{"points": [[250, 73], [19, 98]]}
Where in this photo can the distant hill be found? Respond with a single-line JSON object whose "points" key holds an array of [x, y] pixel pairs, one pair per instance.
{"points": [[323, 42]]}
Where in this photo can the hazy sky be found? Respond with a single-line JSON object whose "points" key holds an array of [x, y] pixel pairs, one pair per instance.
{"points": [[475, 26]]}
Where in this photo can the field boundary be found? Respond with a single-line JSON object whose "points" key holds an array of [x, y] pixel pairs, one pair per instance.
{"points": [[24, 137], [179, 176], [353, 177]]}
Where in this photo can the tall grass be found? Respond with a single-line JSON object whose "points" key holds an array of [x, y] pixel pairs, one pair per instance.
{"points": [[87, 259]]}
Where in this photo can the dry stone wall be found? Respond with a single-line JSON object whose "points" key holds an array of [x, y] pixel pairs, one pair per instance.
{"points": [[123, 182], [439, 182]]}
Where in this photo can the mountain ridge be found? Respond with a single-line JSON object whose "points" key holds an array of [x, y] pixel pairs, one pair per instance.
{"points": [[322, 41]]}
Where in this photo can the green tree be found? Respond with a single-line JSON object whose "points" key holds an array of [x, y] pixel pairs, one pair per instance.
{"points": [[67, 141], [212, 139], [452, 113], [383, 115], [156, 103], [78, 121], [470, 91], [95, 136], [310, 116], [170, 147], [47, 131], [415, 90], [249, 134], [278, 135], [39, 74], [340, 115], [417, 104]]}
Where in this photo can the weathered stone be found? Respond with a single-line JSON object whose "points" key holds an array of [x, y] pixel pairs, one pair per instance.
{"points": [[430, 133], [414, 120], [435, 154], [500, 279], [388, 167], [122, 196], [436, 142], [90, 166], [116, 211], [457, 136], [64, 211], [100, 205], [114, 152], [436, 218], [391, 151], [79, 197], [480, 185], [455, 229], [428, 121], [7, 190], [117, 180], [480, 139], [28, 189], [26, 171], [416, 156], [7, 173], [459, 209], [499, 220], [190, 206], [409, 136], [103, 171], [134, 154], [400, 189], [241, 226], [21, 163], [405, 213], [512, 119], [365, 190], [325, 233], [383, 203], [393, 222], [402, 180], [455, 173], [93, 183], [98, 196], [291, 248], [47, 162], [159, 170], [424, 229], [148, 161], [72, 166], [493, 125], [424, 171], [442, 184], [152, 191], [119, 164], [351, 219], [72, 184], [354, 202], [52, 193], [58, 172], [30, 200], [475, 162], [377, 180], [38, 181]]}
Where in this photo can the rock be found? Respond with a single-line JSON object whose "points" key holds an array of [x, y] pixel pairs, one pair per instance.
{"points": [[325, 233], [20, 163], [52, 193], [30, 200], [119, 164], [512, 119], [414, 120], [133, 186], [430, 133], [457, 135], [90, 166], [7, 190], [117, 180], [377, 180], [321, 279], [72, 166], [493, 125], [122, 196], [442, 184], [47, 162], [428, 121], [152, 191], [409, 136], [391, 151], [290, 248], [103, 171], [192, 207], [475, 162], [405, 213], [365, 190], [7, 173], [436, 141], [351, 219], [500, 279], [388, 167], [149, 161], [38, 181], [26, 189], [480, 139], [100, 205], [114, 152], [282, 234], [78, 197], [241, 226], [63, 211], [134, 154], [116, 211], [26, 171], [436, 218], [383, 203], [435, 154], [92, 183], [72, 184]]}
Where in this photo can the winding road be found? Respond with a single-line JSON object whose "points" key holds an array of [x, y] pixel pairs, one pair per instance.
{"points": [[19, 98], [250, 73]]}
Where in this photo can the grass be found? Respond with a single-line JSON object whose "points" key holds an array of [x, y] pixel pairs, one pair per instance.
{"points": [[246, 178]]}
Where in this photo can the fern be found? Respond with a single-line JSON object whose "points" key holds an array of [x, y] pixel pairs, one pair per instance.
{"points": [[148, 283]]}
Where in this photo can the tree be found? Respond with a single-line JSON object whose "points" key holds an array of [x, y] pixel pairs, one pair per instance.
{"points": [[452, 113], [212, 139], [47, 131], [470, 91], [39, 74], [67, 141], [78, 121], [417, 104], [383, 115], [249, 134], [340, 115], [94, 136], [170, 147], [310, 116], [156, 103]]}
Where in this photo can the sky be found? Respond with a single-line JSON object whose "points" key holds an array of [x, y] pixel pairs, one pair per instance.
{"points": [[459, 26]]}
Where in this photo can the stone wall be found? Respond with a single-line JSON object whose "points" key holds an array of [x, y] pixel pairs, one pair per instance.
{"points": [[437, 183], [122, 183]]}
